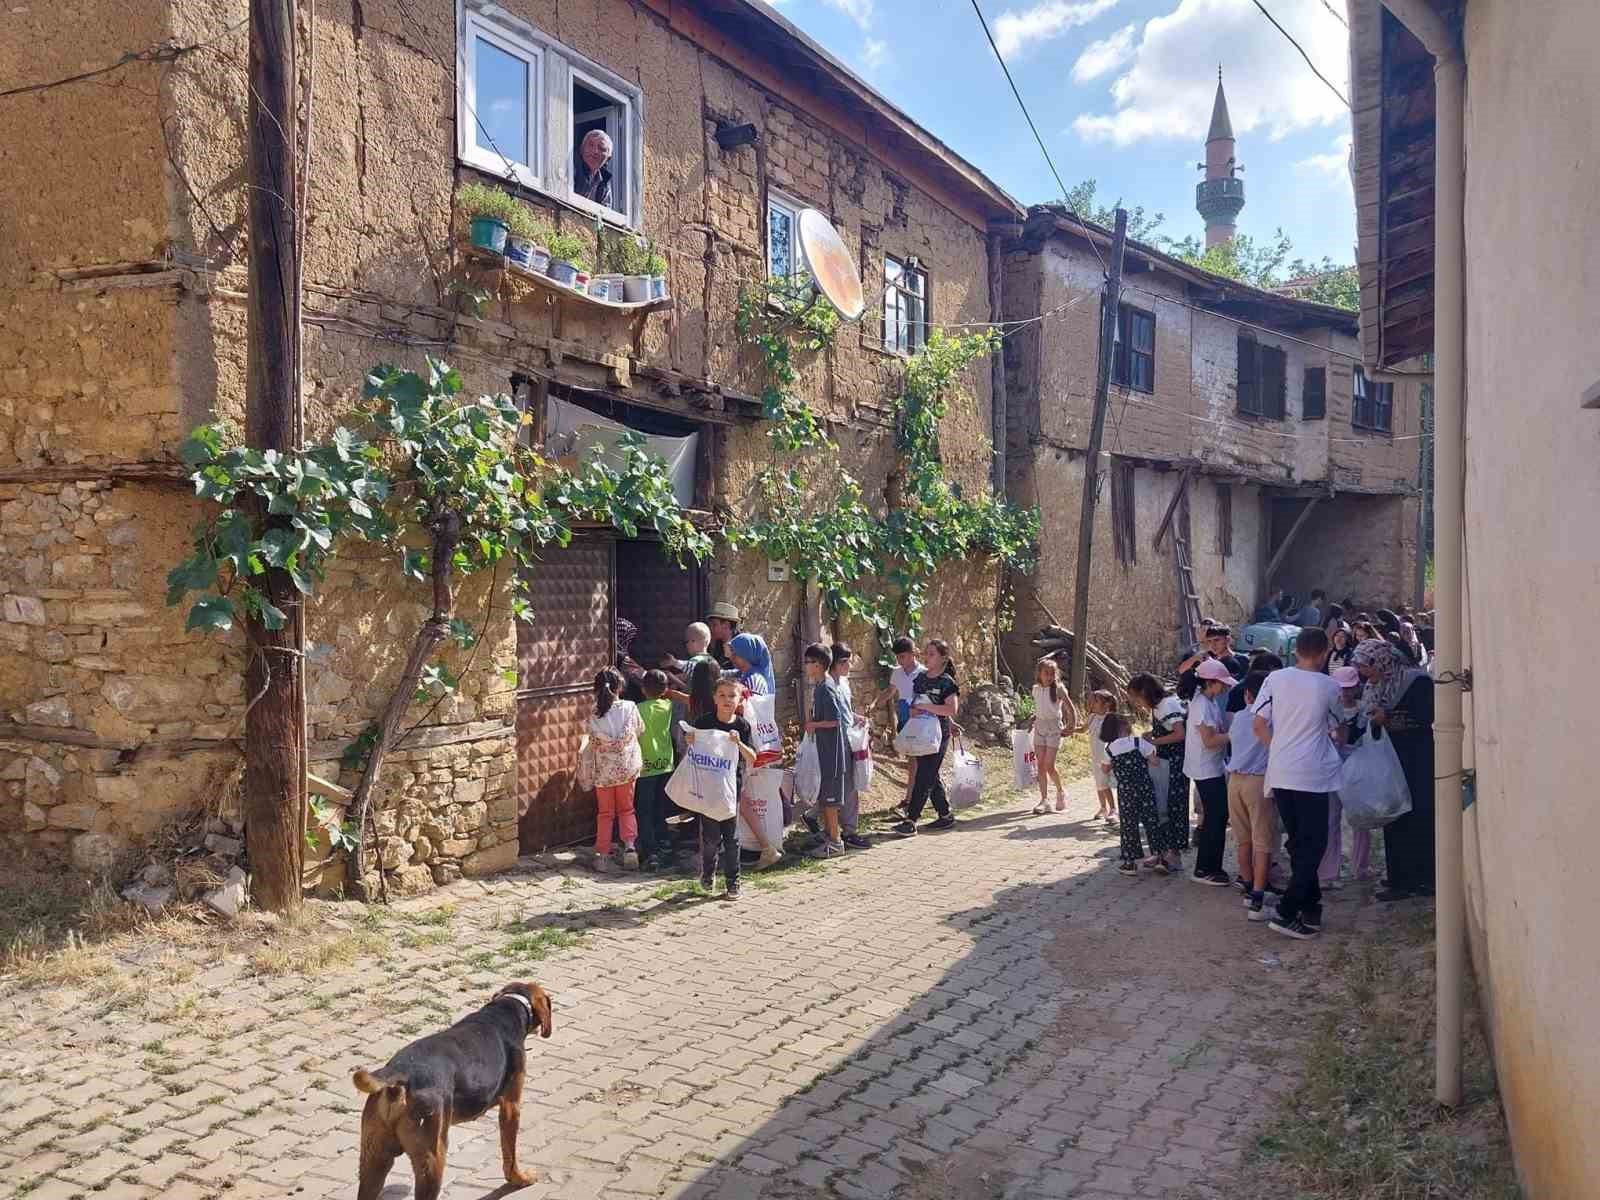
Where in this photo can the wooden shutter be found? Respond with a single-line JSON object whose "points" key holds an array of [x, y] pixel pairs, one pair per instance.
{"points": [[1122, 512], [1314, 395], [1249, 389], [1274, 382]]}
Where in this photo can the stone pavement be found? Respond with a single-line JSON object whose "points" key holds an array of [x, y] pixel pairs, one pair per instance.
{"points": [[991, 1012]]}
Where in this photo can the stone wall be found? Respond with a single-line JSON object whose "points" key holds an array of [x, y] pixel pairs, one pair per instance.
{"points": [[117, 340]]}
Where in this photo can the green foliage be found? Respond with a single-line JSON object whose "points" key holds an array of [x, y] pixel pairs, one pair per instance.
{"points": [[340, 837], [568, 248], [1240, 257], [627, 254], [481, 200], [779, 317], [1083, 201], [654, 264], [1326, 283]]}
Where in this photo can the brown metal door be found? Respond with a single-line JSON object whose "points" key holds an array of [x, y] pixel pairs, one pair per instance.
{"points": [[570, 637], [658, 596]]}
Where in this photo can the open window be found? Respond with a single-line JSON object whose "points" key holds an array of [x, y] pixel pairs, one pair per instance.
{"points": [[1372, 404], [905, 305], [1133, 365], [783, 248], [1263, 379], [527, 106]]}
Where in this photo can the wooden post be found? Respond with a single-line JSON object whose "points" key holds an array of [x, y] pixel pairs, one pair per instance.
{"points": [[1091, 464], [274, 781], [997, 365]]}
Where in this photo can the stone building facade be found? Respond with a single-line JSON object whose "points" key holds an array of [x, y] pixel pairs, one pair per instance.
{"points": [[122, 326], [1176, 421]]}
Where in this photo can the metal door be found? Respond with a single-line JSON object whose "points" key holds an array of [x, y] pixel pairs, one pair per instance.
{"points": [[658, 596], [571, 637]]}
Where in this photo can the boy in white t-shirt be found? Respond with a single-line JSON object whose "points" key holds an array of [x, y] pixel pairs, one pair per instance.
{"points": [[901, 691], [1299, 715]]}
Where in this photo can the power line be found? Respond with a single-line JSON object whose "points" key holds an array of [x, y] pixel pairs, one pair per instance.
{"points": [[1049, 162], [1335, 14], [165, 52], [1302, 50]]}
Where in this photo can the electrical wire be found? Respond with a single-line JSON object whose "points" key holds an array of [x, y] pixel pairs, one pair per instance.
{"points": [[1049, 162], [1302, 50], [166, 52]]}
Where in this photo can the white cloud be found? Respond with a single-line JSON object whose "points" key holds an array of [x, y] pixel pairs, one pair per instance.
{"points": [[1018, 30], [874, 53], [1167, 90], [1106, 55], [1335, 163], [859, 11]]}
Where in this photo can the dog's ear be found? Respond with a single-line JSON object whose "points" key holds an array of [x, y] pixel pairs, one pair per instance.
{"points": [[541, 1008]]}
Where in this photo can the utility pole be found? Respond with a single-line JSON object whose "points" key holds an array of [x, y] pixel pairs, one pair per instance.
{"points": [[1091, 463], [274, 733]]}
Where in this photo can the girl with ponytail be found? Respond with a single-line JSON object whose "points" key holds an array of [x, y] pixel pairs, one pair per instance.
{"points": [[615, 760]]}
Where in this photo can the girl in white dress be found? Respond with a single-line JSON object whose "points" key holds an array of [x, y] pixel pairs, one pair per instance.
{"points": [[1054, 716]]}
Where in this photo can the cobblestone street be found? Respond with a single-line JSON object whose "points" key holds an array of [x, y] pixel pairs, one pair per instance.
{"points": [[990, 1012]]}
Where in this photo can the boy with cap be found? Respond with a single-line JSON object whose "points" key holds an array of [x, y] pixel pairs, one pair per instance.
{"points": [[1205, 744]]}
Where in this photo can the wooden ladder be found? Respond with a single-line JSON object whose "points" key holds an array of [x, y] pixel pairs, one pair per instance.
{"points": [[1188, 599]]}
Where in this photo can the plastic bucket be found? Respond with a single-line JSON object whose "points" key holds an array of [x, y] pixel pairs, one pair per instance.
{"points": [[563, 272], [490, 233]]}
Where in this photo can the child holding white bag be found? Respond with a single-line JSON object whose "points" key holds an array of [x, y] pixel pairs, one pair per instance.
{"points": [[724, 835]]}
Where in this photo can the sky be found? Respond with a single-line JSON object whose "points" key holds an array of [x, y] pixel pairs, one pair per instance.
{"points": [[1121, 91]]}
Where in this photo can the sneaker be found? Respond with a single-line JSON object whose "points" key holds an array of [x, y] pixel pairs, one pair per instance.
{"points": [[906, 828], [1160, 867], [948, 821], [1041, 808], [1211, 879], [769, 856], [1313, 923], [811, 823], [1241, 885], [732, 893], [1255, 908], [828, 850], [1389, 895], [1295, 929], [604, 864], [854, 841], [1127, 868], [630, 859]]}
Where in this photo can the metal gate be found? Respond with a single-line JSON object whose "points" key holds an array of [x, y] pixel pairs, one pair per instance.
{"points": [[571, 638]]}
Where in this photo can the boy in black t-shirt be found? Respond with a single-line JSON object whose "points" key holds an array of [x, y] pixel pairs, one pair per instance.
{"points": [[725, 834], [935, 690]]}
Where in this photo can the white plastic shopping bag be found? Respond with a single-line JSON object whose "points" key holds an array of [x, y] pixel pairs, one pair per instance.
{"points": [[1372, 784], [968, 788], [762, 713], [921, 734], [1024, 762], [1161, 777], [707, 780], [762, 803], [861, 754], [807, 774]]}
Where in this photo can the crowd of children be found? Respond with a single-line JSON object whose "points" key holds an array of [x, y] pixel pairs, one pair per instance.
{"points": [[645, 721]]}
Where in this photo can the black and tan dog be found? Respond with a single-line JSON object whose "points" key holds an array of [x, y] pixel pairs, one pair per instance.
{"points": [[447, 1078]]}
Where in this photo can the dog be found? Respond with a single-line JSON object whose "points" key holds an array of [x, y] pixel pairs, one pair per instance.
{"points": [[444, 1079]]}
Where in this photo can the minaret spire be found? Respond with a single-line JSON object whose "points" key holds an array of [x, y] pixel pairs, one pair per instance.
{"points": [[1220, 196]]}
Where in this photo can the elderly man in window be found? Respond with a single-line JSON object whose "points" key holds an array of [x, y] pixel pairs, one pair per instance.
{"points": [[592, 180]]}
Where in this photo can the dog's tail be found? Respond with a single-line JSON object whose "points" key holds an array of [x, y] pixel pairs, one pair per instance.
{"points": [[381, 1081]]}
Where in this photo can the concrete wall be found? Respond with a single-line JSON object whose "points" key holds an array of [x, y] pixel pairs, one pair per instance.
{"points": [[117, 367], [1534, 560]]}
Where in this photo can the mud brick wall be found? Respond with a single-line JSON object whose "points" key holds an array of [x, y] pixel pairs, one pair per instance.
{"points": [[118, 339]]}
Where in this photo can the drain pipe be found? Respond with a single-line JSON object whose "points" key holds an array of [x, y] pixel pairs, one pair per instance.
{"points": [[1449, 400]]}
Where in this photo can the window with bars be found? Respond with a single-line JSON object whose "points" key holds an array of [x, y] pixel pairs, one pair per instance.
{"points": [[1371, 404], [525, 104], [1263, 379], [905, 305], [1133, 365], [1314, 394], [1122, 513]]}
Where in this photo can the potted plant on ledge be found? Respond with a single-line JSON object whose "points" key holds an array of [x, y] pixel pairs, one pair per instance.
{"points": [[568, 256], [492, 215]]}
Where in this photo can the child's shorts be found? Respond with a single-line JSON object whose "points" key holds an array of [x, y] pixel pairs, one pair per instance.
{"points": [[1103, 781], [1252, 812], [1051, 740]]}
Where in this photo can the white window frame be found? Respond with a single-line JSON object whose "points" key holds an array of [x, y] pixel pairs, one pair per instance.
{"points": [[788, 204], [919, 329], [474, 26], [550, 115]]}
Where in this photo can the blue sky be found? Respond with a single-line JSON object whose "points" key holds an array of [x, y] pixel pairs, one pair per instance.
{"points": [[1121, 91]]}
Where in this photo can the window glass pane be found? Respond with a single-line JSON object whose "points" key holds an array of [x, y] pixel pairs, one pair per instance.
{"points": [[1144, 332], [892, 271], [914, 319], [501, 102], [915, 282], [780, 241]]}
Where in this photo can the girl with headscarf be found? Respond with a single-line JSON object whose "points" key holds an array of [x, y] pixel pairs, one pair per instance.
{"points": [[753, 661], [1398, 704], [1344, 646]]}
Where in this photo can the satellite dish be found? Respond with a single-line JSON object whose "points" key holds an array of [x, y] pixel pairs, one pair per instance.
{"points": [[828, 259]]}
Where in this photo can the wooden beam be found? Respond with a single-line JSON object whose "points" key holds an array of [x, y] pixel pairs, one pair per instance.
{"points": [[1288, 540], [133, 472], [1172, 508]]}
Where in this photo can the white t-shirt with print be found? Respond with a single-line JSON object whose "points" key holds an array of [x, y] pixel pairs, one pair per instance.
{"points": [[1198, 761], [1302, 707], [903, 681]]}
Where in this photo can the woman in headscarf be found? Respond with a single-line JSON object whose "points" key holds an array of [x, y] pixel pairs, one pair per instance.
{"points": [[1344, 646], [1398, 700], [753, 661]]}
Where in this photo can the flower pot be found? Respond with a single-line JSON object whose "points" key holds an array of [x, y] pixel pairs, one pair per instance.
{"points": [[658, 287], [562, 271], [519, 252], [600, 287], [580, 281], [539, 260], [636, 288], [490, 233]]}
